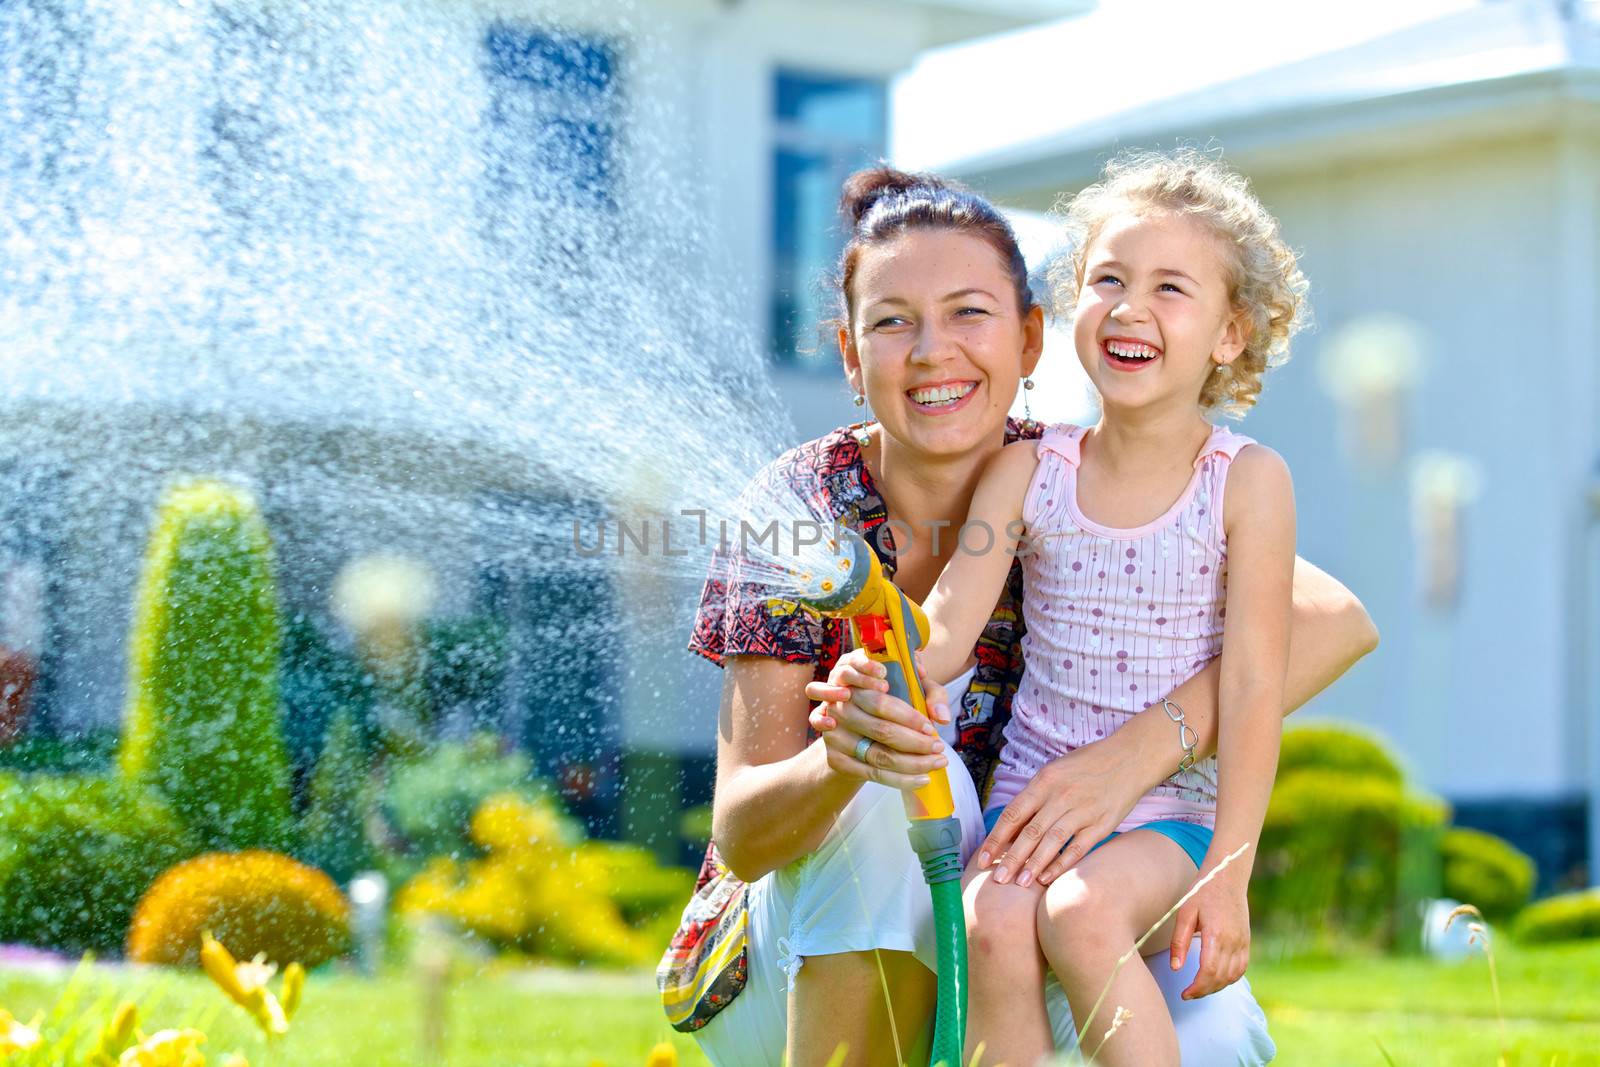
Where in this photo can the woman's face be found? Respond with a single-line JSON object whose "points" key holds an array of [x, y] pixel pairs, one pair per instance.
{"points": [[936, 341]]}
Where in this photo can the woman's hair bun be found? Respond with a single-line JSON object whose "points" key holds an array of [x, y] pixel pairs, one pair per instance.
{"points": [[866, 187]]}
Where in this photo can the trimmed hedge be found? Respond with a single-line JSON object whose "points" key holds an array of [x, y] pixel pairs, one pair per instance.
{"points": [[1486, 871], [76, 853], [1346, 846], [1326, 747], [1568, 917]]}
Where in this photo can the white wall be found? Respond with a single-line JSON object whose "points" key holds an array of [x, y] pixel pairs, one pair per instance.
{"points": [[1479, 700]]}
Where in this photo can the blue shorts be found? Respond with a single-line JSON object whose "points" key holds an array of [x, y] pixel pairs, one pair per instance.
{"points": [[1191, 837]]}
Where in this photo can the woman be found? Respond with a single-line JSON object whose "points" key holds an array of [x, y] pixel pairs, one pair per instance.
{"points": [[938, 329]]}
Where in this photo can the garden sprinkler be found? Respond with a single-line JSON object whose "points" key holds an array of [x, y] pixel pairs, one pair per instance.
{"points": [[891, 626]]}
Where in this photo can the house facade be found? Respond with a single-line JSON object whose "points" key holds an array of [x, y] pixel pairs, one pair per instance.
{"points": [[1442, 419], [365, 262]]}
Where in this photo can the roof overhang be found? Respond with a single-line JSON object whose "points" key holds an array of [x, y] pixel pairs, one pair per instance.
{"points": [[1310, 135], [951, 21]]}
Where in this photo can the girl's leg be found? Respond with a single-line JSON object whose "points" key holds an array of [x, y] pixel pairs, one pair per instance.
{"points": [[841, 999], [1005, 972], [1090, 917]]}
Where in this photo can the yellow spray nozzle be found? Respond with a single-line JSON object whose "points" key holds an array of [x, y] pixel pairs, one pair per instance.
{"points": [[890, 626]]}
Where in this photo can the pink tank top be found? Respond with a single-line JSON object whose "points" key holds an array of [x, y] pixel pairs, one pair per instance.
{"points": [[1115, 620]]}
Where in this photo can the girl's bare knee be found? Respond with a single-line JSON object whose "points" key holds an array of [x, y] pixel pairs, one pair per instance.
{"points": [[1000, 922]]}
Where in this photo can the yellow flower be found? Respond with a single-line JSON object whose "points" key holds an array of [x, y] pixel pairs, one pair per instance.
{"points": [[294, 982], [16, 1036], [663, 1055], [117, 1035], [166, 1048], [236, 1059], [245, 984]]}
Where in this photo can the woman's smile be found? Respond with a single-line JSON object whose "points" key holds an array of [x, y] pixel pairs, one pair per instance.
{"points": [[942, 398]]}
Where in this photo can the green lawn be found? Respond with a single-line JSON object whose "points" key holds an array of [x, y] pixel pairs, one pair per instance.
{"points": [[1321, 1013]]}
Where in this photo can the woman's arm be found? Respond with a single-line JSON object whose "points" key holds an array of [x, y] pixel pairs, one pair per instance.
{"points": [[776, 795], [963, 598], [1088, 792]]}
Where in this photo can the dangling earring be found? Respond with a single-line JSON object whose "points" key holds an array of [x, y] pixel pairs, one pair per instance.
{"points": [[1027, 409], [863, 438]]}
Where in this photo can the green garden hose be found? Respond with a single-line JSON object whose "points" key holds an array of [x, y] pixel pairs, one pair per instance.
{"points": [[937, 843]]}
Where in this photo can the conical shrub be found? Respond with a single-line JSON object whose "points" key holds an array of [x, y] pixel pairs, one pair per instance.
{"points": [[203, 722], [335, 827]]}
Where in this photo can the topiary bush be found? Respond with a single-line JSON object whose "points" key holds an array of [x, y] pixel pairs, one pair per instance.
{"points": [[1329, 747], [76, 853], [1337, 828], [202, 724], [252, 901], [1486, 871], [334, 833], [1568, 917]]}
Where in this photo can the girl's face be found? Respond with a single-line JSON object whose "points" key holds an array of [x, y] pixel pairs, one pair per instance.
{"points": [[1153, 315], [936, 341]]}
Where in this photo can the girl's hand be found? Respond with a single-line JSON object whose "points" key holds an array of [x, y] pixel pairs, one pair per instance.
{"points": [[1220, 915], [855, 704], [1070, 805]]}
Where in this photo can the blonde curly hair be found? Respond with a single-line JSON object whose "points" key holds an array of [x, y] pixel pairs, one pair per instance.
{"points": [[1264, 281]]}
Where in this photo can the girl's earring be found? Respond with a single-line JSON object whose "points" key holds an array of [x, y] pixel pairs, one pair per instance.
{"points": [[1027, 409], [861, 400]]}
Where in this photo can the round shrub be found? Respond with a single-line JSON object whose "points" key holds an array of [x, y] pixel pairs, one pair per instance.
{"points": [[251, 901], [1330, 853], [1485, 870], [1327, 747], [1568, 917], [76, 853]]}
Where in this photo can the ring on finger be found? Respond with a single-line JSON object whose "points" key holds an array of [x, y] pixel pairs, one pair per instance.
{"points": [[863, 746]]}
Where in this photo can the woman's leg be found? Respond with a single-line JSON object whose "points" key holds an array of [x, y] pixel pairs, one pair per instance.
{"points": [[1005, 971], [845, 999], [1090, 918]]}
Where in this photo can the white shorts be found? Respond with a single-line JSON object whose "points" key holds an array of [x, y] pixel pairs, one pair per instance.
{"points": [[863, 889]]}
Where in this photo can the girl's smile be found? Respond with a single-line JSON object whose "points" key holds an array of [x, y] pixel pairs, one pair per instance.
{"points": [[1129, 354]]}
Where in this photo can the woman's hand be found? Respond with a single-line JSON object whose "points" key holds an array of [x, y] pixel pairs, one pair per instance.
{"points": [[855, 704], [1220, 915], [1069, 806]]}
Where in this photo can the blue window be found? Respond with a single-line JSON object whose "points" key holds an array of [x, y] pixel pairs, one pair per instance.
{"points": [[556, 697], [552, 117], [824, 127]]}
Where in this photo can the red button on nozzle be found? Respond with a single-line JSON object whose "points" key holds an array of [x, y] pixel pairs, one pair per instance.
{"points": [[870, 630]]}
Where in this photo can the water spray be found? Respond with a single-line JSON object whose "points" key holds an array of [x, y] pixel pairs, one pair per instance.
{"points": [[891, 626]]}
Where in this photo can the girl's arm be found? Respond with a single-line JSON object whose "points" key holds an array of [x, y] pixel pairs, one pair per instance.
{"points": [[1259, 524], [1086, 794], [964, 596], [776, 794]]}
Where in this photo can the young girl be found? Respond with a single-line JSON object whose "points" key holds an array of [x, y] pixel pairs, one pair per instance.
{"points": [[1139, 537]]}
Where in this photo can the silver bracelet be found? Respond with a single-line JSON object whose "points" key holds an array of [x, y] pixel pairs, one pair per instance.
{"points": [[1186, 735]]}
